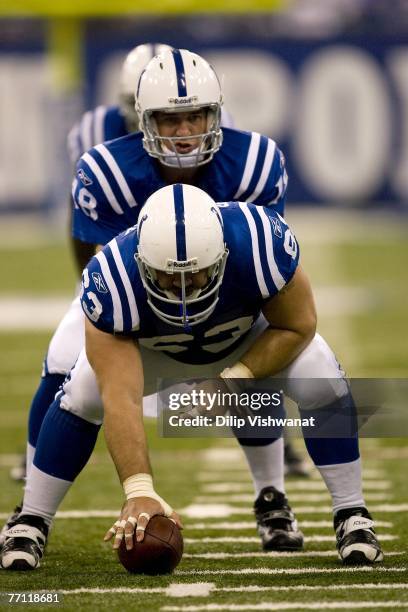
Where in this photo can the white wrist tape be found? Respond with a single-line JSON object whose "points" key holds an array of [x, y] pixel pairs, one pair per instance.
{"points": [[141, 485], [238, 370]]}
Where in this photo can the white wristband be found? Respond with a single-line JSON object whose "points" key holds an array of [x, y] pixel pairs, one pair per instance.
{"points": [[238, 370], [141, 485]]}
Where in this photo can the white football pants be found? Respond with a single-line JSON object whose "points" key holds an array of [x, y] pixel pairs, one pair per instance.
{"points": [[81, 394]]}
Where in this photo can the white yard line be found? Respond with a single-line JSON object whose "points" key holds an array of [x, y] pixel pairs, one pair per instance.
{"points": [[241, 474], [203, 589], [326, 605], [293, 498], [224, 510], [255, 540], [266, 571], [240, 525], [270, 555], [302, 485], [46, 312], [206, 511]]}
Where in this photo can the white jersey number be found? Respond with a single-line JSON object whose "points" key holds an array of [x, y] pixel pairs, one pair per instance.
{"points": [[230, 331], [95, 312], [87, 203]]}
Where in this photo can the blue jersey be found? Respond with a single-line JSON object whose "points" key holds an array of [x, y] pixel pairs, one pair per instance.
{"points": [[263, 256], [115, 179], [95, 126]]}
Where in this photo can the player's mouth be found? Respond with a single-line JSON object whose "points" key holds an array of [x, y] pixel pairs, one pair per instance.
{"points": [[185, 147]]}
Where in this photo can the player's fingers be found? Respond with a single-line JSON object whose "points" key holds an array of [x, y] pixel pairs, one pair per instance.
{"points": [[176, 519], [119, 534], [129, 531], [111, 532], [142, 521]]}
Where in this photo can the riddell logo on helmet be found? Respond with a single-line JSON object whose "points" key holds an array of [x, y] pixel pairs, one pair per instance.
{"points": [[181, 101], [181, 264], [173, 264]]}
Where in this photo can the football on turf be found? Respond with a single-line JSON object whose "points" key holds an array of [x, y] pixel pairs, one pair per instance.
{"points": [[159, 553]]}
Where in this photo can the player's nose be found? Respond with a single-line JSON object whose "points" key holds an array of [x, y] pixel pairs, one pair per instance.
{"points": [[183, 128], [177, 281]]}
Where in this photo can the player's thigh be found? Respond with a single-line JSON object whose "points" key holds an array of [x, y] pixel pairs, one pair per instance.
{"points": [[315, 378], [67, 341], [81, 393]]}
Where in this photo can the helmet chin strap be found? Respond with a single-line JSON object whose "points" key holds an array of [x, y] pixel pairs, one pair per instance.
{"points": [[181, 160]]}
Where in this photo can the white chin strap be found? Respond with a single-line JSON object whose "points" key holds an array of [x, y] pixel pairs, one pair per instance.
{"points": [[181, 160]]}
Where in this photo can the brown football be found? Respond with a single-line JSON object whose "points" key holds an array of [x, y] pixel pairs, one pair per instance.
{"points": [[159, 553]]}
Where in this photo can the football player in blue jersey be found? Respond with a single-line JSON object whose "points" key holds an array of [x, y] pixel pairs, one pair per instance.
{"points": [[95, 126], [115, 179], [219, 290]]}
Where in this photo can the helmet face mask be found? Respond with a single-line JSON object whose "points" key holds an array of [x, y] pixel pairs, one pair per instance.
{"points": [[175, 82], [191, 252], [164, 148]]}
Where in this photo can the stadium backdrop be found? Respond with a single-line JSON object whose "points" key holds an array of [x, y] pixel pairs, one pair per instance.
{"points": [[335, 106]]}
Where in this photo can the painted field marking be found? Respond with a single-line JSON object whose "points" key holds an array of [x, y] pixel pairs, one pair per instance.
{"points": [[305, 587], [241, 473], [303, 485], [255, 540], [272, 555], [266, 571], [325, 605], [228, 525], [204, 589], [225, 510], [300, 497]]}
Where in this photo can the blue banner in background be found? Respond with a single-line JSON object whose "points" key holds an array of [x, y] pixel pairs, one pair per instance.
{"points": [[337, 108]]}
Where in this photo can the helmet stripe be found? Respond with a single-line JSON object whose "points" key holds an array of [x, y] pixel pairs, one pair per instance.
{"points": [[181, 77], [180, 222]]}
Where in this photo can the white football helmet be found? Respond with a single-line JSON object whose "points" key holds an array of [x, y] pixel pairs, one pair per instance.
{"points": [[180, 231], [178, 80], [132, 68]]}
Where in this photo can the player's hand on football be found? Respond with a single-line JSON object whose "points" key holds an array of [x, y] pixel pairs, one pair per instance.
{"points": [[135, 515]]}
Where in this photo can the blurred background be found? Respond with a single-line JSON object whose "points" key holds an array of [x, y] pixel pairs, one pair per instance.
{"points": [[327, 79]]}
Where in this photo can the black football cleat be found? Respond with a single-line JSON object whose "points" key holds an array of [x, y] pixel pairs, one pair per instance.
{"points": [[24, 543], [357, 543], [276, 522], [9, 522]]}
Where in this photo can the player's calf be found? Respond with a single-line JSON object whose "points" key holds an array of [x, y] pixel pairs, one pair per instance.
{"points": [[357, 543]]}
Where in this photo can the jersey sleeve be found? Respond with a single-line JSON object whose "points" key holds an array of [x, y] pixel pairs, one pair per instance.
{"points": [[271, 250], [96, 299], [273, 193], [107, 293], [101, 196], [264, 178], [95, 126]]}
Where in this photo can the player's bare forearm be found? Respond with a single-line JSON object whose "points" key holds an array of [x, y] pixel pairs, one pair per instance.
{"points": [[117, 364], [292, 318]]}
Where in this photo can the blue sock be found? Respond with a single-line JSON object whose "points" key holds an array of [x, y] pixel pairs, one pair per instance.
{"points": [[42, 399], [64, 444], [337, 431]]}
